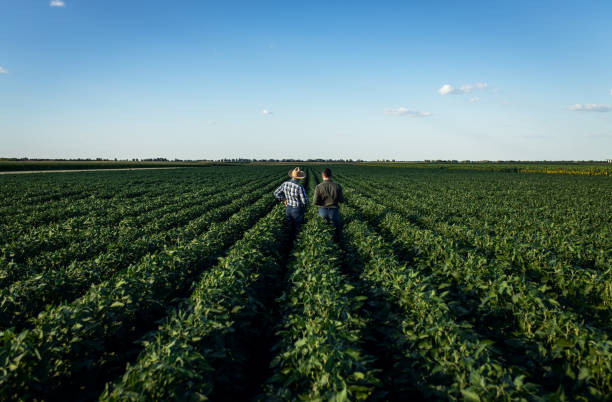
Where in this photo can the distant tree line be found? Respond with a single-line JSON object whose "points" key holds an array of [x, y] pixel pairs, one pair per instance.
{"points": [[247, 160], [104, 160], [252, 160]]}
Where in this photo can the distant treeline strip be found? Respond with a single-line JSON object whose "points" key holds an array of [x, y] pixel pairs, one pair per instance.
{"points": [[589, 169], [14, 166], [574, 168]]}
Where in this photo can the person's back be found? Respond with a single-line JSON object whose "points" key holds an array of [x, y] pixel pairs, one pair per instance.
{"points": [[293, 194], [327, 195]]}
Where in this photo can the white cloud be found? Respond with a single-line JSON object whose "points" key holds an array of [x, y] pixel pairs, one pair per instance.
{"points": [[591, 108], [3, 70], [474, 99], [448, 89], [402, 111], [57, 3], [266, 112]]}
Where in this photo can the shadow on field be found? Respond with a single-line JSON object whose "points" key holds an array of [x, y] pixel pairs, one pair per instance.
{"points": [[380, 337], [240, 377]]}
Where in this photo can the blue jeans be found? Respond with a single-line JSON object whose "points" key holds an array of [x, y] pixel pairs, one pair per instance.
{"points": [[331, 215], [295, 216]]}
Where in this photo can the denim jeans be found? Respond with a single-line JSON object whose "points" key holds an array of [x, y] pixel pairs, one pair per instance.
{"points": [[295, 216], [331, 215]]}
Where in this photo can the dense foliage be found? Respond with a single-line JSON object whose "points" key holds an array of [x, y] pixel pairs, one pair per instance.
{"points": [[576, 168], [184, 285]]}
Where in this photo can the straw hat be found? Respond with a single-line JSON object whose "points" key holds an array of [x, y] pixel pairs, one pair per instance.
{"points": [[297, 174]]}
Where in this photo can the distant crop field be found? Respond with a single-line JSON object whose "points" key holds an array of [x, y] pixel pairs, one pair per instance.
{"points": [[17, 166], [577, 168], [184, 284]]}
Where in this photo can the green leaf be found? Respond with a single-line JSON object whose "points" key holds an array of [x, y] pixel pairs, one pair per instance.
{"points": [[518, 381], [470, 395], [340, 396]]}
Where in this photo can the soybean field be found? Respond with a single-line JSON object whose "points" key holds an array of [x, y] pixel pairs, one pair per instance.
{"points": [[184, 284]]}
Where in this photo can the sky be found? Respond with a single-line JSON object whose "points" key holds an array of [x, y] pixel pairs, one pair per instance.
{"points": [[490, 80]]}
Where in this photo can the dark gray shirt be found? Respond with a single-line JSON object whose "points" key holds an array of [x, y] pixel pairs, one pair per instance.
{"points": [[328, 194]]}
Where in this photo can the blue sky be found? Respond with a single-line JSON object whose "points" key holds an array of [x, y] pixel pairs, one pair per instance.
{"points": [[372, 80]]}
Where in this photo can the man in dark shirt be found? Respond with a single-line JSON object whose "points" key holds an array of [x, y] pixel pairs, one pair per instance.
{"points": [[327, 195]]}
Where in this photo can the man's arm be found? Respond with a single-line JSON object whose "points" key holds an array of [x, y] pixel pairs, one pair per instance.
{"points": [[303, 196], [279, 194], [317, 197], [340, 195]]}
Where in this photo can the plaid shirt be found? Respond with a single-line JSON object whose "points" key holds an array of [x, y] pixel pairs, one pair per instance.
{"points": [[293, 193]]}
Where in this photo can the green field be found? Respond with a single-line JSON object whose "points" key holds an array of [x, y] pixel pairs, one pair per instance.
{"points": [[576, 168], [183, 284], [18, 165]]}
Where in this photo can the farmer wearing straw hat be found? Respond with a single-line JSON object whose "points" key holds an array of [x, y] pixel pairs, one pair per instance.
{"points": [[295, 198]]}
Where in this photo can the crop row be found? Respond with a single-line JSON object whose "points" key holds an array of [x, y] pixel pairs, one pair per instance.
{"points": [[94, 239], [116, 192], [554, 342], [590, 169], [587, 288], [319, 355], [116, 221], [497, 198], [25, 299], [74, 345], [44, 192], [26, 190], [117, 186], [51, 212], [202, 345], [36, 192], [440, 357], [591, 288], [571, 223], [27, 237]]}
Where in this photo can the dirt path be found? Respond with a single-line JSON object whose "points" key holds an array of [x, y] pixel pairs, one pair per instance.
{"points": [[85, 170]]}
